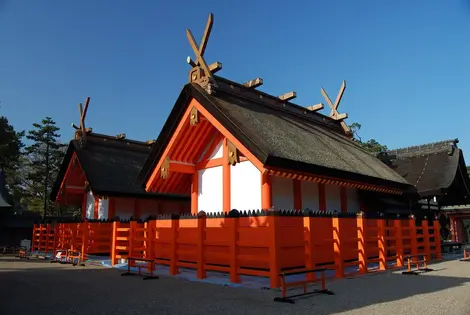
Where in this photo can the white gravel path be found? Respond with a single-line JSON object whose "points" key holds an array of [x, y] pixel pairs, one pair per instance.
{"points": [[37, 287]]}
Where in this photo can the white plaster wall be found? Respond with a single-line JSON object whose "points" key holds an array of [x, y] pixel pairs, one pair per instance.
{"points": [[333, 198], [218, 152], [310, 197], [103, 207], [245, 187], [282, 192], [210, 192], [124, 208], [353, 200], [90, 205]]}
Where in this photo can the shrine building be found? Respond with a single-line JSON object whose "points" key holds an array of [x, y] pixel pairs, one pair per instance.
{"points": [[98, 174], [231, 146]]}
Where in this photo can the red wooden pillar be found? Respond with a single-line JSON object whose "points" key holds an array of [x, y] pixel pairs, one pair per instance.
{"points": [[310, 261], [297, 184], [194, 193], [362, 242], [201, 236], [226, 178], [382, 243], [338, 247], [321, 197], [274, 249], [437, 239], [398, 241], [266, 192], [96, 206]]}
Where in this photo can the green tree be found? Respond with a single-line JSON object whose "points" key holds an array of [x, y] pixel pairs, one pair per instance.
{"points": [[10, 158], [370, 145], [468, 169], [44, 157]]}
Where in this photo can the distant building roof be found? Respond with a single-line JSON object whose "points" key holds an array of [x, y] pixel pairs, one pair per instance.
{"points": [[435, 169], [111, 166]]}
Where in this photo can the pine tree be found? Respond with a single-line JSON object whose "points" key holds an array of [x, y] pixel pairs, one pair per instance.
{"points": [[370, 145], [44, 157], [11, 158]]}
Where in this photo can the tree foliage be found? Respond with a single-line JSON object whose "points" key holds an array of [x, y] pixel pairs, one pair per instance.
{"points": [[370, 145], [43, 159], [10, 158]]}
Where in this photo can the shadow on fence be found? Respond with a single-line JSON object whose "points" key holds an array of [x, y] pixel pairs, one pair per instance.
{"points": [[256, 243]]}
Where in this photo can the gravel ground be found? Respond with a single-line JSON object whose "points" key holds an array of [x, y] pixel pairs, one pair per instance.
{"points": [[38, 287]]}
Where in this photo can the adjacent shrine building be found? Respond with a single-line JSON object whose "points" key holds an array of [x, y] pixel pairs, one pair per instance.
{"points": [[98, 174], [438, 172]]}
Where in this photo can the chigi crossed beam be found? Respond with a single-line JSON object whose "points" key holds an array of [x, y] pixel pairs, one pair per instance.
{"points": [[81, 131], [334, 107], [201, 73]]}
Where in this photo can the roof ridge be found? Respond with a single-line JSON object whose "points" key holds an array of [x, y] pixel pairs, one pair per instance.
{"points": [[109, 141], [428, 148], [283, 106]]}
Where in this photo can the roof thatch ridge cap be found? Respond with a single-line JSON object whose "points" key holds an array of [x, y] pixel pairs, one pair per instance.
{"points": [[109, 141], [424, 149], [322, 119]]}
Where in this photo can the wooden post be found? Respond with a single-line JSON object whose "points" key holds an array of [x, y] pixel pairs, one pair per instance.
{"points": [[113, 244], [398, 241], [48, 231], [297, 186], [194, 193], [56, 238], [201, 237], [132, 227], [337, 246], [382, 244], [437, 239], [413, 236], [426, 242], [234, 223], [85, 232], [274, 250], [266, 192], [321, 197], [362, 242], [95, 208], [310, 262], [226, 167], [174, 244]]}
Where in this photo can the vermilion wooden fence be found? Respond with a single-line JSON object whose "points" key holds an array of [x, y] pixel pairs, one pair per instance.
{"points": [[261, 243]]}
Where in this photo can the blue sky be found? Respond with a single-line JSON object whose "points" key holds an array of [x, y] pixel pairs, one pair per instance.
{"points": [[406, 63]]}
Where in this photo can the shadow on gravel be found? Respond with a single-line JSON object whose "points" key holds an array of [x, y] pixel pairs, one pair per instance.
{"points": [[44, 288]]}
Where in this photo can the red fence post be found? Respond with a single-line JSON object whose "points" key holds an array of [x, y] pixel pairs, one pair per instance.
{"points": [[426, 242], [337, 247], [382, 244], [413, 236], [113, 243], [274, 250], [362, 242], [174, 244], [201, 237], [234, 224], [437, 238], [310, 262], [398, 241]]}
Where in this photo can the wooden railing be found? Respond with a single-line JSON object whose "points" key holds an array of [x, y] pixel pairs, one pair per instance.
{"points": [[261, 243]]}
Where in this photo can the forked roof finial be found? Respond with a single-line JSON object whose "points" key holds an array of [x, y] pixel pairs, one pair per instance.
{"points": [[81, 131], [201, 73], [334, 108]]}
